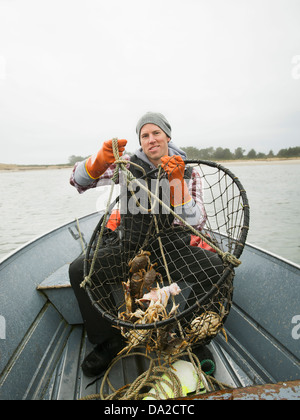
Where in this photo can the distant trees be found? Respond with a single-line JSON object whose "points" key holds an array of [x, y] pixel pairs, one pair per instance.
{"points": [[73, 159], [239, 153], [290, 152], [210, 153], [225, 154], [251, 154]]}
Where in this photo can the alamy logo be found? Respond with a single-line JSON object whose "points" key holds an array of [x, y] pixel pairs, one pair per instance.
{"points": [[2, 328], [296, 329], [296, 67], [2, 68]]}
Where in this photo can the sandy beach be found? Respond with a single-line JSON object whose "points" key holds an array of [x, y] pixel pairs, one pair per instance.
{"points": [[5, 167], [271, 161]]}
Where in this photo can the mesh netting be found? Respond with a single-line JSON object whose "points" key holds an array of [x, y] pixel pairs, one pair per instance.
{"points": [[164, 283]]}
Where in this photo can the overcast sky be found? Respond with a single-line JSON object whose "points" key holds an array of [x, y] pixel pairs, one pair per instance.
{"points": [[73, 73]]}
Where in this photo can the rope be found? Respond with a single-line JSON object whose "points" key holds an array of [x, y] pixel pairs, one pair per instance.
{"points": [[80, 236], [120, 165], [226, 256], [87, 279], [154, 377]]}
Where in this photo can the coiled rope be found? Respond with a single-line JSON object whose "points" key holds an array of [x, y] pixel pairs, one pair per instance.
{"points": [[154, 378]]}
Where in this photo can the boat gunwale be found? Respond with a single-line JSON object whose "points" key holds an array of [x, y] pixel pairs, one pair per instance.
{"points": [[37, 238]]}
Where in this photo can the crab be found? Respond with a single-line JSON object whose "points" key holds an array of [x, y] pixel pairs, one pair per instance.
{"points": [[137, 283], [140, 261], [208, 324], [175, 346], [155, 312], [134, 339], [128, 299], [148, 308], [151, 276], [164, 335]]}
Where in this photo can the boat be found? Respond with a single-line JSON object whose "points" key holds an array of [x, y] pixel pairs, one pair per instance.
{"points": [[43, 341]]}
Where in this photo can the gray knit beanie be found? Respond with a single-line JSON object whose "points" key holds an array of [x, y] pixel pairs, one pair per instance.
{"points": [[154, 118]]}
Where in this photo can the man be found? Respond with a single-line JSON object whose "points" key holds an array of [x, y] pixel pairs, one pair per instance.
{"points": [[201, 268]]}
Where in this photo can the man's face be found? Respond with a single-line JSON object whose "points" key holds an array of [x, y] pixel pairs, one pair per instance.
{"points": [[154, 142]]}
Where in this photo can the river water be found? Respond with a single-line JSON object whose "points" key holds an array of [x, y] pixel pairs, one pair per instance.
{"points": [[37, 201]]}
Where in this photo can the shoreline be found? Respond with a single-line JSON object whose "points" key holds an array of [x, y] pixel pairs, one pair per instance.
{"points": [[6, 167], [268, 161]]}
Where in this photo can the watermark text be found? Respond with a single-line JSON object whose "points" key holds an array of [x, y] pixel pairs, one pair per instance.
{"points": [[296, 329], [2, 67], [2, 328], [296, 67]]}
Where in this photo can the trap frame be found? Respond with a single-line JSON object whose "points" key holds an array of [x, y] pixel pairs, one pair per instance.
{"points": [[200, 260]]}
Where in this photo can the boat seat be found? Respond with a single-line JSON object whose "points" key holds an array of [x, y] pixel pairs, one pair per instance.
{"points": [[58, 290]]}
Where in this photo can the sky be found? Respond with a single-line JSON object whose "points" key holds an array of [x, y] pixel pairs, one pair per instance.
{"points": [[74, 73]]}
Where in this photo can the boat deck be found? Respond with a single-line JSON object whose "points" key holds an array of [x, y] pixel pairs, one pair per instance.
{"points": [[45, 342], [58, 375]]}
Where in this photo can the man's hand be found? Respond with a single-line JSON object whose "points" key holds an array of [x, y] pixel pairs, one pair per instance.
{"points": [[97, 164], [174, 166]]}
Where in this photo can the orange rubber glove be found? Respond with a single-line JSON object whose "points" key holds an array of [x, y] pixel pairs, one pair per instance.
{"points": [[97, 164], [174, 167], [114, 220]]}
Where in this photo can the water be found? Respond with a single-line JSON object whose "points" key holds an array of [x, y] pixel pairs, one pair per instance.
{"points": [[273, 192], [34, 202]]}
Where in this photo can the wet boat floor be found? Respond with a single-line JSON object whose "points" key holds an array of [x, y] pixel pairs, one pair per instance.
{"points": [[67, 381]]}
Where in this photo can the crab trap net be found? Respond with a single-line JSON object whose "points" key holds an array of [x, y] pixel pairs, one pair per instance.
{"points": [[165, 283]]}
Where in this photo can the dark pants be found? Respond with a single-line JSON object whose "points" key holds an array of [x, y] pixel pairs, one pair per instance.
{"points": [[98, 329], [194, 269]]}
